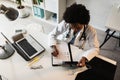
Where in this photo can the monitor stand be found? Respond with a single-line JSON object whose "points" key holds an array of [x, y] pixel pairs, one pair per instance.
{"points": [[6, 51]]}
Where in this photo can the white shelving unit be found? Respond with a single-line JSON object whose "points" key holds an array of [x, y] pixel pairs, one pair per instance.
{"points": [[27, 3], [50, 11]]}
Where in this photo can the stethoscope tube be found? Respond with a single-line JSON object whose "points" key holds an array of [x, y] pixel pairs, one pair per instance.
{"points": [[82, 36]]}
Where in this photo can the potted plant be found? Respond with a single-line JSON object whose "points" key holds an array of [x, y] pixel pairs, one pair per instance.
{"points": [[21, 9], [19, 2]]}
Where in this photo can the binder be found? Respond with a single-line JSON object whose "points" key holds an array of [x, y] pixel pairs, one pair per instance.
{"points": [[35, 10], [40, 12]]}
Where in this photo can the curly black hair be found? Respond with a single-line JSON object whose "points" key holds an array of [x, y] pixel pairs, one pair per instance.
{"points": [[77, 13]]}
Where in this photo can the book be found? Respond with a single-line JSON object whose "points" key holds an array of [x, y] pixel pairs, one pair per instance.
{"points": [[35, 10]]}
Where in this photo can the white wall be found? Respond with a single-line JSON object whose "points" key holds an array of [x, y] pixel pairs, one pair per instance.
{"points": [[99, 10], [69, 2]]}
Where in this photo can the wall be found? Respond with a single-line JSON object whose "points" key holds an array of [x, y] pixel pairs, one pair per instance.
{"points": [[99, 10], [69, 2]]}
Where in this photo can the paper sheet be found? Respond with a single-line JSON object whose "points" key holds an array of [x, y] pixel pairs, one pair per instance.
{"points": [[64, 54]]}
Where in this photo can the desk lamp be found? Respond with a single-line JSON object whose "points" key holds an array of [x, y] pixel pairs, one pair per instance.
{"points": [[9, 12], [12, 14]]}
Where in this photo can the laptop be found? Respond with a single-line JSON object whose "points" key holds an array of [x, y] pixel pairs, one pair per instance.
{"points": [[28, 47]]}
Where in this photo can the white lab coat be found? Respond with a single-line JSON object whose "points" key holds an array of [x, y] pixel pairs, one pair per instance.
{"points": [[91, 45]]}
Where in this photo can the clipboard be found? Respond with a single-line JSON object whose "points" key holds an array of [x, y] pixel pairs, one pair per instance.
{"points": [[66, 57], [63, 54]]}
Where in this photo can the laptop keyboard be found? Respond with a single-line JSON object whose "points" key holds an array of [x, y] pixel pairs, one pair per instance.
{"points": [[29, 49]]}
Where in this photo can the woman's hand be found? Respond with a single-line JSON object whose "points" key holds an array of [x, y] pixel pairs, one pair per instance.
{"points": [[54, 51], [82, 62]]}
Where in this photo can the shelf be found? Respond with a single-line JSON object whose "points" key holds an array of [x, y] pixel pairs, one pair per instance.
{"points": [[50, 16], [50, 11], [52, 5], [49, 21], [27, 3]]}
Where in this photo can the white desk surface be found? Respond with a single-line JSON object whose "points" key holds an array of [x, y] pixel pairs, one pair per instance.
{"points": [[16, 68]]}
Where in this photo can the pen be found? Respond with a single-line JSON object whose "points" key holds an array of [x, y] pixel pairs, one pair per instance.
{"points": [[36, 59]]}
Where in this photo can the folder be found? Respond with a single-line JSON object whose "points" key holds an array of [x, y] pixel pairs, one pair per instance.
{"points": [[99, 70]]}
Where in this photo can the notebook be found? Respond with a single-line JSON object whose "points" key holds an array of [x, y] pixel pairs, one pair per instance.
{"points": [[63, 54], [69, 55]]}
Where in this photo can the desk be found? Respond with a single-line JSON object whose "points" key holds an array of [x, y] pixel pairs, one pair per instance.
{"points": [[16, 68]]}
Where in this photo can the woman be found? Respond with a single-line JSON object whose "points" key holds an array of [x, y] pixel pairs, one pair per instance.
{"points": [[75, 29]]}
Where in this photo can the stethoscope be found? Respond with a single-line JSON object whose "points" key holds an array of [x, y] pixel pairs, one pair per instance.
{"points": [[83, 36]]}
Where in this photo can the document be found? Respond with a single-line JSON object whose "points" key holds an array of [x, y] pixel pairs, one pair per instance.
{"points": [[64, 54]]}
